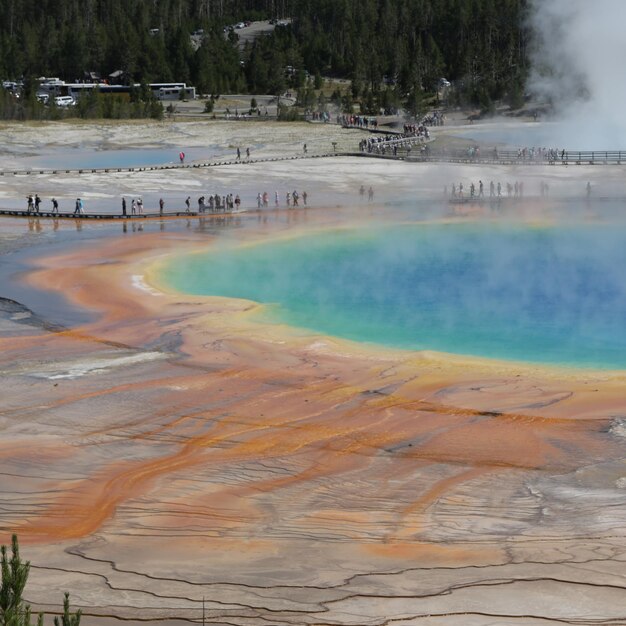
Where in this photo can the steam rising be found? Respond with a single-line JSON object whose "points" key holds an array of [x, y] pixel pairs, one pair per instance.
{"points": [[579, 67]]}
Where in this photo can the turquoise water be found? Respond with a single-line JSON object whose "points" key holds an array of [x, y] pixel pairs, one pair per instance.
{"points": [[75, 158], [548, 295]]}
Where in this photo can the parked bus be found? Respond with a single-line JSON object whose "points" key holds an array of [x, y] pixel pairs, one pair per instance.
{"points": [[173, 91]]}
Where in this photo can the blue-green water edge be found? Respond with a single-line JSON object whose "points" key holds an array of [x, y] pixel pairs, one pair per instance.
{"points": [[547, 295]]}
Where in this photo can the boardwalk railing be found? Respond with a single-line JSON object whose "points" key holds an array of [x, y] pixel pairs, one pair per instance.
{"points": [[118, 216], [405, 148], [513, 157], [383, 147]]}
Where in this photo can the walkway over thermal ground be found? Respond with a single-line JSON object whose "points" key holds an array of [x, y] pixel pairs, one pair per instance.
{"points": [[421, 154]]}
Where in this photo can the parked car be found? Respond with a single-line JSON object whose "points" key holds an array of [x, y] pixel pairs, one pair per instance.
{"points": [[64, 101]]}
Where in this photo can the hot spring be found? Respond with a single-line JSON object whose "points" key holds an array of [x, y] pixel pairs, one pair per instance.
{"points": [[549, 294]]}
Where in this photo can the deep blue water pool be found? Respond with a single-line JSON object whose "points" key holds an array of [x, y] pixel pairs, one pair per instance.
{"points": [[550, 295]]}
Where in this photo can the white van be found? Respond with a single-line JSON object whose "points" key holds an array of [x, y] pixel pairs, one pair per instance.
{"points": [[64, 101]]}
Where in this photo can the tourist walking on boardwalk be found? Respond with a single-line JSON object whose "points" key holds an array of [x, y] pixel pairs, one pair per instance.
{"points": [[124, 206], [370, 194], [492, 189], [305, 195], [304, 148], [161, 205], [295, 197], [247, 153], [188, 203], [237, 202], [481, 189], [140, 206], [259, 200], [181, 156], [588, 190], [78, 210], [499, 190], [276, 199], [288, 199], [133, 207], [238, 154], [31, 204], [37, 202], [55, 206]]}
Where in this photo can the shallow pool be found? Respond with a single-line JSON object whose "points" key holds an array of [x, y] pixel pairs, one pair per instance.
{"points": [[85, 158]]}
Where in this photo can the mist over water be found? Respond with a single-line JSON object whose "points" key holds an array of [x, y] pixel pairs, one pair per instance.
{"points": [[552, 295], [578, 65]]}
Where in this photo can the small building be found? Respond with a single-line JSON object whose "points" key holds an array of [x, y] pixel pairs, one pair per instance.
{"points": [[119, 77]]}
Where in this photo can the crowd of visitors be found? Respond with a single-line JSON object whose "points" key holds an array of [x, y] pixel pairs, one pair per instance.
{"points": [[318, 116], [210, 203], [390, 144], [436, 118], [215, 203], [541, 154], [358, 121], [515, 190], [34, 205], [292, 199]]}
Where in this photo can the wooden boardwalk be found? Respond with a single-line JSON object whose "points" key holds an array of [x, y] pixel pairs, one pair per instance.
{"points": [[531, 200], [112, 216], [413, 156]]}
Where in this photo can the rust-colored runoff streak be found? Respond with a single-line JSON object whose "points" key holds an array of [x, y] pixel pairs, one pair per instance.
{"points": [[320, 413]]}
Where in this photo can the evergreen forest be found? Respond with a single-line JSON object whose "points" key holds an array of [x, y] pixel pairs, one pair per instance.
{"points": [[392, 51]]}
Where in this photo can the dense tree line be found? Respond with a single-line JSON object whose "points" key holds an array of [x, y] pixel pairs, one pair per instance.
{"points": [[479, 45], [149, 40], [394, 51]]}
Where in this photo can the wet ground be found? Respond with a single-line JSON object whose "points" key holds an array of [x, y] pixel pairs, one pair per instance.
{"points": [[168, 454]]}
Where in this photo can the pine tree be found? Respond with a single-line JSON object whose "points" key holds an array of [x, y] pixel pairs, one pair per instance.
{"points": [[68, 619], [13, 610]]}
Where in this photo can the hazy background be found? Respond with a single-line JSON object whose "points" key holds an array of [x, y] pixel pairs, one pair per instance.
{"points": [[579, 66]]}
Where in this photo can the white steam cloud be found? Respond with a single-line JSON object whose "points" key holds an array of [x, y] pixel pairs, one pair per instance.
{"points": [[580, 66]]}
